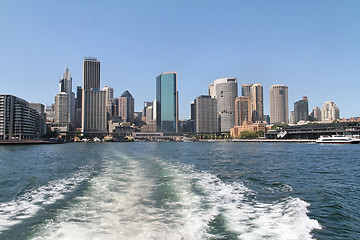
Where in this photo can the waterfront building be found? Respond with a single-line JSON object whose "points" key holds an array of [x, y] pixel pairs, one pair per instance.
{"points": [[226, 90], [40, 124], [242, 110], [248, 126], [316, 114], [301, 110], [126, 107], [330, 112], [206, 114], [167, 110], [17, 119], [94, 117], [279, 107]]}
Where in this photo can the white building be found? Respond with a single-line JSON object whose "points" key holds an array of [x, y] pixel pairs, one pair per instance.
{"points": [[330, 112], [226, 90]]}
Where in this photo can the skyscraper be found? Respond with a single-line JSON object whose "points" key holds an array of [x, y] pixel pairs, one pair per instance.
{"points": [[91, 73], [65, 100], [226, 90], [256, 103], [301, 110], [245, 90], [206, 114], [330, 112], [316, 114], [78, 107], [279, 107], [126, 107], [109, 93], [167, 102], [242, 110], [93, 100]]}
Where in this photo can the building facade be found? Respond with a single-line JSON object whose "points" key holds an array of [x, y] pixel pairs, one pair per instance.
{"points": [[301, 110], [205, 114], [242, 110], [256, 103], [226, 90], [65, 101], [94, 118], [17, 119], [330, 112], [167, 102], [279, 106], [40, 125], [316, 114], [126, 107]]}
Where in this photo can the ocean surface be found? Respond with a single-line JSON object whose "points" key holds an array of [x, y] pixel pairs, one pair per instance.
{"points": [[175, 190]]}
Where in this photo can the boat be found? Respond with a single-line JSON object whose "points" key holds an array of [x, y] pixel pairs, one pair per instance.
{"points": [[96, 139], [337, 139]]}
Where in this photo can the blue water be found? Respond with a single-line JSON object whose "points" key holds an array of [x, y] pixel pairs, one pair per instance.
{"points": [[180, 191]]}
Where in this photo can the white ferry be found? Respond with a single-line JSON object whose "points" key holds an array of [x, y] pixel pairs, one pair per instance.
{"points": [[337, 139]]}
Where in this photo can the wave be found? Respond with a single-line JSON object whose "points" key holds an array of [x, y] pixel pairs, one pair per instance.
{"points": [[31, 202]]}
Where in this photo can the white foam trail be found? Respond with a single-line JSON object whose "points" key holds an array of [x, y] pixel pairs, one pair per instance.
{"points": [[27, 205], [120, 204], [250, 219]]}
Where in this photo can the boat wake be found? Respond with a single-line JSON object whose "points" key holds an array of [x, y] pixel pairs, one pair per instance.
{"points": [[153, 199]]}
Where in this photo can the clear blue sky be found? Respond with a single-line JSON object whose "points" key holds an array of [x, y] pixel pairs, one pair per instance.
{"points": [[311, 46]]}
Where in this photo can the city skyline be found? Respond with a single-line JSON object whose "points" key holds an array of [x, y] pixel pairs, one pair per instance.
{"points": [[311, 47]]}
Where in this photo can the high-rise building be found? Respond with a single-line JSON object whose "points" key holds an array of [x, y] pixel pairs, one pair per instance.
{"points": [[330, 112], [245, 90], [109, 94], [65, 111], [17, 119], [167, 102], [316, 114], [226, 90], [279, 107], [126, 107], [256, 103], [301, 110], [242, 110], [91, 73], [206, 114], [62, 108], [94, 117], [212, 92], [78, 107], [40, 125]]}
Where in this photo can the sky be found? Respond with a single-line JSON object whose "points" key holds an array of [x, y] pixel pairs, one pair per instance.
{"points": [[313, 47]]}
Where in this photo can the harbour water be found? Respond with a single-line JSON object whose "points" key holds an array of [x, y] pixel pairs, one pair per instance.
{"points": [[175, 190]]}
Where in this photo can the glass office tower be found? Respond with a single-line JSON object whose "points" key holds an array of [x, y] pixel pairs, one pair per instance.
{"points": [[167, 102]]}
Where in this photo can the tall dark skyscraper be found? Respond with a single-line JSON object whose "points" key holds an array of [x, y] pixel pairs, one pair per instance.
{"points": [[93, 100], [301, 110], [91, 73], [167, 102]]}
